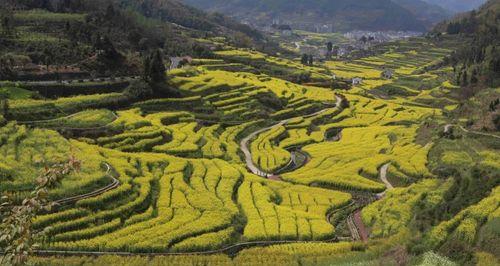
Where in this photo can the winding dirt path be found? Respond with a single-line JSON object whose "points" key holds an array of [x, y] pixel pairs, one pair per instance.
{"points": [[479, 133], [354, 221], [34, 122], [248, 155], [114, 184], [383, 177], [246, 141], [360, 226], [447, 128], [352, 228]]}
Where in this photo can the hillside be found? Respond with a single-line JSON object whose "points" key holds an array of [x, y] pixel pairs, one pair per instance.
{"points": [[457, 6], [478, 61], [428, 13], [148, 132], [111, 37], [282, 172], [344, 15]]}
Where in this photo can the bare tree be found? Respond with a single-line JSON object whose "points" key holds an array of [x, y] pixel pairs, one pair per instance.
{"points": [[17, 238]]}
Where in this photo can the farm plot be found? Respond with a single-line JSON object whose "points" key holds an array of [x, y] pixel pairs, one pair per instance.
{"points": [[394, 212], [471, 225], [348, 157], [80, 120], [29, 109], [272, 65], [277, 210], [229, 88], [167, 203], [366, 112], [24, 151], [266, 153]]}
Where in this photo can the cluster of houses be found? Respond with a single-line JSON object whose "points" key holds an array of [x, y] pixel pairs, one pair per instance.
{"points": [[381, 36], [385, 74]]}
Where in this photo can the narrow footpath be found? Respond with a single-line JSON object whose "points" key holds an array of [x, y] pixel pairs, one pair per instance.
{"points": [[114, 184], [244, 144]]}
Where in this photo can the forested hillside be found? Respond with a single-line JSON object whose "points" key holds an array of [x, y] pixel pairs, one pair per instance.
{"points": [[458, 5], [111, 36], [428, 13], [479, 60]]}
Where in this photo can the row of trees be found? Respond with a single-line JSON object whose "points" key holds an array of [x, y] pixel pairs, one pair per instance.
{"points": [[307, 60], [7, 29]]}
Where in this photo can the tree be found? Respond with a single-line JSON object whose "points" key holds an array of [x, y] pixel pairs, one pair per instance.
{"points": [[48, 56], [310, 61], [7, 23], [329, 47], [138, 89], [17, 238], [6, 64], [465, 80], [110, 11], [105, 48], [304, 60], [154, 68], [4, 102], [473, 78], [363, 39]]}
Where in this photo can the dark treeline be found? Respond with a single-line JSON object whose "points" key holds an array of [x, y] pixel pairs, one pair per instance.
{"points": [[478, 62], [116, 35]]}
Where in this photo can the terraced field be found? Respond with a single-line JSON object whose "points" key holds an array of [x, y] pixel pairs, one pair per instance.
{"points": [[245, 160]]}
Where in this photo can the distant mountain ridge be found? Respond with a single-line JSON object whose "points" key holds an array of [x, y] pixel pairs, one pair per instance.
{"points": [[428, 13], [343, 15], [457, 6]]}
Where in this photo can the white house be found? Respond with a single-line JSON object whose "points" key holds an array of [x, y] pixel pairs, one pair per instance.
{"points": [[176, 61], [357, 81], [387, 74]]}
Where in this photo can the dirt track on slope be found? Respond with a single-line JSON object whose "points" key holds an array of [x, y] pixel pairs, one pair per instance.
{"points": [[246, 141], [114, 184]]}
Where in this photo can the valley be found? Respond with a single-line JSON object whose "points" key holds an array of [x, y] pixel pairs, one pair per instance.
{"points": [[243, 153]]}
